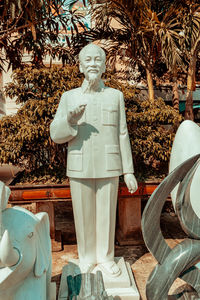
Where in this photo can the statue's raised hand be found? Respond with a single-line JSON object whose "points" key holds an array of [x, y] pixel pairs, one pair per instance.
{"points": [[75, 114]]}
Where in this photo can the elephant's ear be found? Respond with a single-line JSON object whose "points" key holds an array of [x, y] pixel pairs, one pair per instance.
{"points": [[43, 244]]}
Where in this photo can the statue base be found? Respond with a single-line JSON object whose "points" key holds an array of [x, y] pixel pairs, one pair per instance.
{"points": [[122, 287]]}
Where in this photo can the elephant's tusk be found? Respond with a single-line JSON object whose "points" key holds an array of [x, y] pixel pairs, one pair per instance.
{"points": [[9, 255]]}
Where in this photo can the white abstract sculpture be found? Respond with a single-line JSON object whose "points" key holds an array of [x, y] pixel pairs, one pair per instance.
{"points": [[92, 120], [187, 144], [25, 253]]}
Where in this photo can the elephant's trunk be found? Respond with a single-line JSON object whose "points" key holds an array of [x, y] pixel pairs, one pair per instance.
{"points": [[9, 255]]}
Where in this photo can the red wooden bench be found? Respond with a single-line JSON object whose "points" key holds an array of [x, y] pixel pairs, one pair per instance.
{"points": [[128, 229]]}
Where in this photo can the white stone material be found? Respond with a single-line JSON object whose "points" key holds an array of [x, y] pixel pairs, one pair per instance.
{"points": [[125, 293], [92, 120], [186, 144], [25, 253]]}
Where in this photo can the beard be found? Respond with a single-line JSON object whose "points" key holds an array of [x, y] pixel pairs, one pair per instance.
{"points": [[92, 82]]}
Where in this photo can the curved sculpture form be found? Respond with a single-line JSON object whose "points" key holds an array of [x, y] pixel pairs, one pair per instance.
{"points": [[179, 261], [188, 218], [186, 144], [25, 253]]}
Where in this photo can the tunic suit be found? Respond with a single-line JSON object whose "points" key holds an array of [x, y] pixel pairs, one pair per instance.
{"points": [[98, 152]]}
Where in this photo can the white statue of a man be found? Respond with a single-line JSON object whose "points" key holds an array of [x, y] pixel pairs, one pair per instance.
{"points": [[92, 120]]}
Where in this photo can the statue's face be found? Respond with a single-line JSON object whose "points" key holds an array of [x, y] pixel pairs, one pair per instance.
{"points": [[92, 64]]}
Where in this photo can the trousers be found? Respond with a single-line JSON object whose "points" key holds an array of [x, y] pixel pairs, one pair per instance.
{"points": [[94, 204]]}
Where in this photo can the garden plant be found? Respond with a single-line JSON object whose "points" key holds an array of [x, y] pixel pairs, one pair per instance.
{"points": [[25, 139]]}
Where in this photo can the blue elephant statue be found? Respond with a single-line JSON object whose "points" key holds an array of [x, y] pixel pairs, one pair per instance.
{"points": [[25, 253]]}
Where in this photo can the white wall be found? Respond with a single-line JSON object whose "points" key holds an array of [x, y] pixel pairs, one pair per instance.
{"points": [[10, 105]]}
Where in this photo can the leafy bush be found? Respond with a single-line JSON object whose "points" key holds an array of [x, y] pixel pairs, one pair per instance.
{"points": [[152, 126], [25, 138]]}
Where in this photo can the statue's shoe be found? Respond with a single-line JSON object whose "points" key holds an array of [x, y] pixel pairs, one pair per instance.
{"points": [[86, 267], [110, 268]]}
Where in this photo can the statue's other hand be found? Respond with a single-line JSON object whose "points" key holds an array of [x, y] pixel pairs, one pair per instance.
{"points": [[131, 182], [75, 114]]}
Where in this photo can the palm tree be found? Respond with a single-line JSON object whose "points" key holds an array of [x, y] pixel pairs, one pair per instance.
{"points": [[170, 32], [133, 31], [147, 34], [179, 34], [180, 44], [167, 30], [190, 16]]}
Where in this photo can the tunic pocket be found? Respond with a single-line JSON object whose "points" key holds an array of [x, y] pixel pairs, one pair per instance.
{"points": [[113, 158], [109, 114], [75, 160]]}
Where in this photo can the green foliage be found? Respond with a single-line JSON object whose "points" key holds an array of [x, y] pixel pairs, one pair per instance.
{"points": [[34, 26], [43, 175], [42, 84], [25, 138], [152, 126]]}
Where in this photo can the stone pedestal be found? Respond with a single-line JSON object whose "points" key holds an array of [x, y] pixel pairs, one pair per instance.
{"points": [[122, 287]]}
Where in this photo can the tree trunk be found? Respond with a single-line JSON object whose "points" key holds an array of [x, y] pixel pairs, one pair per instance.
{"points": [[189, 115], [175, 96], [150, 84]]}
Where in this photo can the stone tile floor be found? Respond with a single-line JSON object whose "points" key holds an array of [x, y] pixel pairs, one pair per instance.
{"points": [[139, 258]]}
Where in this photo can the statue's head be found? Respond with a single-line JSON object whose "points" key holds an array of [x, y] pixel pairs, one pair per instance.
{"points": [[92, 60]]}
